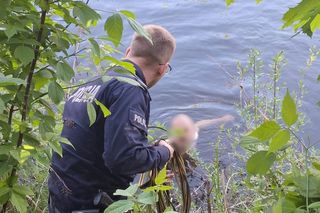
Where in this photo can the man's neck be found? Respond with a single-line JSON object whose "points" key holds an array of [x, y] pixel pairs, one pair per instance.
{"points": [[145, 69]]}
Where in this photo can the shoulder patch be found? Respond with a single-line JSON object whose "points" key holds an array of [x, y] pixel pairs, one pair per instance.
{"points": [[138, 120]]}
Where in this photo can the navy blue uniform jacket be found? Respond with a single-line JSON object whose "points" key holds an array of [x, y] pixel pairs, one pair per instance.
{"points": [[107, 155]]}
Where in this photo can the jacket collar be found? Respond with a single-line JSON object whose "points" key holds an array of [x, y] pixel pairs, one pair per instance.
{"points": [[138, 70]]}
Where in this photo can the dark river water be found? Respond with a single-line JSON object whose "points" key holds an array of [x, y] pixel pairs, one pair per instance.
{"points": [[210, 40]]}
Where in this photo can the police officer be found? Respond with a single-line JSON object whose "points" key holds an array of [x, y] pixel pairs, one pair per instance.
{"points": [[108, 154]]}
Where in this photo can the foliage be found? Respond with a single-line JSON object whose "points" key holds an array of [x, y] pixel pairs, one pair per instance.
{"points": [[140, 200], [36, 42]]}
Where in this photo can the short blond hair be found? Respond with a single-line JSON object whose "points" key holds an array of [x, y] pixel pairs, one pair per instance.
{"points": [[160, 51]]}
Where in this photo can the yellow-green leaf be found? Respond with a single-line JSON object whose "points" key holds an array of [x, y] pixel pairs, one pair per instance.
{"points": [[315, 23], [24, 54], [103, 108], [229, 2], [265, 131], [289, 110], [260, 162], [91, 113], [161, 178], [64, 71], [114, 28], [279, 140], [55, 92]]}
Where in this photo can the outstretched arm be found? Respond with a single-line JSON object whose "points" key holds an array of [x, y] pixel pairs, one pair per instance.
{"points": [[216, 121]]}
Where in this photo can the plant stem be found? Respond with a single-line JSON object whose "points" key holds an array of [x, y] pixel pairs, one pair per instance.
{"points": [[275, 73]]}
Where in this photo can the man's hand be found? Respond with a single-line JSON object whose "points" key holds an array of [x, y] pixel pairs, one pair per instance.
{"points": [[164, 143]]}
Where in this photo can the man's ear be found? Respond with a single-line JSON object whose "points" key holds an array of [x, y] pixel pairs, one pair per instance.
{"points": [[162, 70], [127, 51]]}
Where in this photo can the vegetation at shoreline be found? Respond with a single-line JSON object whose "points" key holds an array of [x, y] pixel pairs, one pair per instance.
{"points": [[41, 43]]}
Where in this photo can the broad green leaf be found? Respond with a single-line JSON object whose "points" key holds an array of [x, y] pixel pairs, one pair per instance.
{"points": [[260, 162], [301, 16], [315, 23], [158, 188], [91, 113], [66, 141], [95, 47], [313, 187], [19, 202], [265, 131], [24, 54], [289, 110], [126, 65], [56, 147], [315, 205], [128, 14], [148, 198], [161, 178], [64, 71], [129, 192], [103, 108], [120, 206], [86, 14], [4, 190], [55, 92], [279, 140], [9, 81], [5, 170], [248, 140], [229, 2], [22, 190], [114, 28], [284, 206], [128, 80], [137, 27]]}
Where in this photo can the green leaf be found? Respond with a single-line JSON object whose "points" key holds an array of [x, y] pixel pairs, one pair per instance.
{"points": [[148, 198], [229, 2], [129, 192], [289, 110], [103, 108], [4, 190], [137, 27], [64, 71], [315, 23], [260, 162], [95, 47], [19, 202], [315, 205], [265, 131], [258, 1], [248, 140], [5, 170], [56, 146], [22, 190], [279, 140], [126, 65], [91, 113], [284, 206], [114, 28], [128, 14], [86, 14], [55, 92], [9, 81], [120, 206], [161, 178], [24, 54]]}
